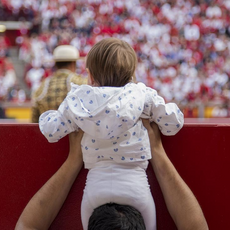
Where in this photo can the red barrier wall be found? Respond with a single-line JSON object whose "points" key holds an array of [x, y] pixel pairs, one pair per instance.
{"points": [[201, 154]]}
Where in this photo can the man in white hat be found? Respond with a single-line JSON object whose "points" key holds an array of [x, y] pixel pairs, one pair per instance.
{"points": [[54, 89]]}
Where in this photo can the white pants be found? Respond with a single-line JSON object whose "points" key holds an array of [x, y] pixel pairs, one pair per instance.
{"points": [[121, 184]]}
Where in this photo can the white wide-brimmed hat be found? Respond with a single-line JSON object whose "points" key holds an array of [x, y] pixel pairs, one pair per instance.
{"points": [[65, 53]]}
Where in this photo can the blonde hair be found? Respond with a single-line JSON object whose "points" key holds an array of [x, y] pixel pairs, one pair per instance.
{"points": [[112, 62]]}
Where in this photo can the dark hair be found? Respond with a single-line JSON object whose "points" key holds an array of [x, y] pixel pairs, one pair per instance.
{"points": [[62, 64], [116, 217], [112, 62]]}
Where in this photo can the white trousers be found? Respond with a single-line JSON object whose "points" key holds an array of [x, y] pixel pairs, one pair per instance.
{"points": [[121, 184]]}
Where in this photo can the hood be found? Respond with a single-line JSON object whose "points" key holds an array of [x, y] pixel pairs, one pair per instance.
{"points": [[106, 112]]}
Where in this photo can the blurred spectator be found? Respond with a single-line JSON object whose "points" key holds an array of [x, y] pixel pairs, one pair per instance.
{"points": [[4, 42], [191, 32], [220, 111], [25, 49], [7, 78], [183, 46], [213, 11], [35, 75]]}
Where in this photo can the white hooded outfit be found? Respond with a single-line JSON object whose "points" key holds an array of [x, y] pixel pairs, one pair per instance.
{"points": [[115, 144]]}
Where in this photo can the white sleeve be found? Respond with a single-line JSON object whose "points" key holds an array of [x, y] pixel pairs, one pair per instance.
{"points": [[168, 116], [55, 124]]}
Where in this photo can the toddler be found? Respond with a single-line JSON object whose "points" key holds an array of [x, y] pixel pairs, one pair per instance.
{"points": [[115, 144]]}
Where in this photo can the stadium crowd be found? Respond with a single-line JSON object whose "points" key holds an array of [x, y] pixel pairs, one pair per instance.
{"points": [[183, 46]]}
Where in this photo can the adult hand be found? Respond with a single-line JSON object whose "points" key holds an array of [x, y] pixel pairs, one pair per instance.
{"points": [[154, 136]]}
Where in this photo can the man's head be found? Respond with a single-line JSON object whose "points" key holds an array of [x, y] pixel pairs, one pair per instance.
{"points": [[111, 62], [65, 57], [116, 217]]}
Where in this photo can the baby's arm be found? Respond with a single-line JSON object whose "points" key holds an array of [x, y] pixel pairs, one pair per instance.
{"points": [[168, 116], [55, 124]]}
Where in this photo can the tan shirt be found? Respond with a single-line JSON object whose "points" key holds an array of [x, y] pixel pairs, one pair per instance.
{"points": [[53, 91]]}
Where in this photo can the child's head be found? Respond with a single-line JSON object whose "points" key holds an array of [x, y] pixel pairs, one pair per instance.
{"points": [[111, 62]]}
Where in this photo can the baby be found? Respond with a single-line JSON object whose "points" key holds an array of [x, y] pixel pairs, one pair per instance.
{"points": [[115, 144]]}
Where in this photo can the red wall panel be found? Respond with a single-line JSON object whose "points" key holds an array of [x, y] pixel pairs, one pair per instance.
{"points": [[200, 152]]}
